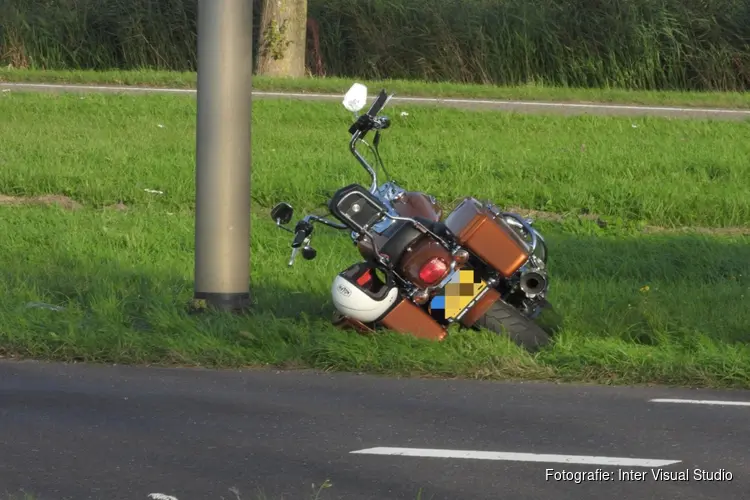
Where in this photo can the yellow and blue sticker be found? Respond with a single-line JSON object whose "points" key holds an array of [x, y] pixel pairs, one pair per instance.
{"points": [[458, 293]]}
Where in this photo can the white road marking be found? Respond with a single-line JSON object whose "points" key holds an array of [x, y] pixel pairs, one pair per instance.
{"points": [[559, 105], [701, 402], [517, 457], [161, 496]]}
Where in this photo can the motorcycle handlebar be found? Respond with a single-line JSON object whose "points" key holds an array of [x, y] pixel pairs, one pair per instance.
{"points": [[304, 228], [301, 231], [370, 120], [299, 238], [366, 122], [378, 105]]}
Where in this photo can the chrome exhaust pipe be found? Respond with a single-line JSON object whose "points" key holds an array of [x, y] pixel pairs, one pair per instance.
{"points": [[533, 283]]}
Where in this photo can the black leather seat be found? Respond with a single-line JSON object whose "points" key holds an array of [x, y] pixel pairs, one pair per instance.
{"points": [[400, 236]]}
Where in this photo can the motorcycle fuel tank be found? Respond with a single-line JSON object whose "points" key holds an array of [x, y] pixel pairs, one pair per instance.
{"points": [[417, 204]]}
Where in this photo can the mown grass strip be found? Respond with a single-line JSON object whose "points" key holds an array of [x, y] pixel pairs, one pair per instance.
{"points": [[105, 149]]}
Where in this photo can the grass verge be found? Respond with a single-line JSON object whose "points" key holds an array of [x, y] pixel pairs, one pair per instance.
{"points": [[173, 79], [105, 149], [640, 307]]}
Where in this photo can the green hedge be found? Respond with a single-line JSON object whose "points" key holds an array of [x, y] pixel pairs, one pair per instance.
{"points": [[640, 44]]}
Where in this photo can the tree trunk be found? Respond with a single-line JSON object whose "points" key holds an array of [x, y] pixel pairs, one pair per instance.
{"points": [[283, 35]]}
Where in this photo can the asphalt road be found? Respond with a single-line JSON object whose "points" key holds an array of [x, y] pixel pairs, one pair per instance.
{"points": [[485, 104], [96, 432]]}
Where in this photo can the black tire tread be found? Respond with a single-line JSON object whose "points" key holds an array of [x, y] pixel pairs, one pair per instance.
{"points": [[504, 319]]}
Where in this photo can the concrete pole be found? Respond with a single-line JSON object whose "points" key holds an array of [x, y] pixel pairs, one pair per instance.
{"points": [[223, 149]]}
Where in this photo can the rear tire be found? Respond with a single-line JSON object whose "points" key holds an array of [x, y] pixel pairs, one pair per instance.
{"points": [[504, 319]]}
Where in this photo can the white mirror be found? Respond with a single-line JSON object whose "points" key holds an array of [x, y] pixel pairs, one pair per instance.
{"points": [[355, 98]]}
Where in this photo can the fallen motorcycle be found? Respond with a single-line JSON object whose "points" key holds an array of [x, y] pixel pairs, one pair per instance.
{"points": [[480, 267]]}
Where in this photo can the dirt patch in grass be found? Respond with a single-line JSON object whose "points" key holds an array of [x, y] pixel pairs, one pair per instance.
{"points": [[716, 231], [548, 216], [49, 199], [555, 217], [59, 200], [68, 203], [120, 207]]}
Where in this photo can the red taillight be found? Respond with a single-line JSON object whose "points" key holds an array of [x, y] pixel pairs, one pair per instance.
{"points": [[433, 271]]}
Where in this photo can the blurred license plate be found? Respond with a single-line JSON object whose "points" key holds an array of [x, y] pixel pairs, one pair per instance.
{"points": [[458, 293]]}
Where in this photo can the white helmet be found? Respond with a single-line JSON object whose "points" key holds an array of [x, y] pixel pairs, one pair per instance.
{"points": [[353, 301]]}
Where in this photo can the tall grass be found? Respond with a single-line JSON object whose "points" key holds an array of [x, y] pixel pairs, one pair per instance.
{"points": [[637, 44]]}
